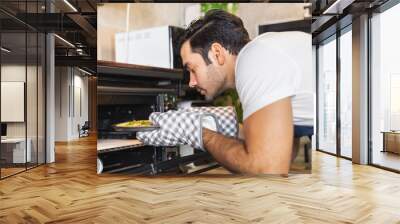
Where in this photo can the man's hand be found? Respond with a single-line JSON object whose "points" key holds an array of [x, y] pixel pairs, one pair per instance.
{"points": [[176, 128], [268, 142], [184, 127]]}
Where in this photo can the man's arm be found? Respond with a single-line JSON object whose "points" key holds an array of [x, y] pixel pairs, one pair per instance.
{"points": [[241, 134], [268, 142]]}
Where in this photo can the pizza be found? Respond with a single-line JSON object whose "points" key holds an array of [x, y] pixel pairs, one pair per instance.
{"points": [[135, 124]]}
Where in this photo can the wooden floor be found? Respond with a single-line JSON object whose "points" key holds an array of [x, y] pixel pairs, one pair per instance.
{"points": [[70, 191], [10, 171], [5, 172]]}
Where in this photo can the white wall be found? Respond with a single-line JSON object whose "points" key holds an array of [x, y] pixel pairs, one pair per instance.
{"points": [[62, 83], [69, 82], [116, 18], [256, 14], [79, 117]]}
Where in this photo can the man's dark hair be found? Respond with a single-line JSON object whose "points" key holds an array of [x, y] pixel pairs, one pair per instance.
{"points": [[216, 26]]}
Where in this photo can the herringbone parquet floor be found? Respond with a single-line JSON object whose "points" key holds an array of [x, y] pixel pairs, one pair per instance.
{"points": [[70, 191]]}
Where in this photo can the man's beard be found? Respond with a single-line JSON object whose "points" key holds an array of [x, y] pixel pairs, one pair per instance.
{"points": [[218, 81]]}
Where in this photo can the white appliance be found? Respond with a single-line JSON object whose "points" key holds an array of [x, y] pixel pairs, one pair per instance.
{"points": [[157, 46]]}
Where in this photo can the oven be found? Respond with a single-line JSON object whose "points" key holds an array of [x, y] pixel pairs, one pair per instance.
{"points": [[132, 92]]}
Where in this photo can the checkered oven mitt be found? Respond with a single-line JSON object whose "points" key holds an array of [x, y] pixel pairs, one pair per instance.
{"points": [[226, 118], [178, 128]]}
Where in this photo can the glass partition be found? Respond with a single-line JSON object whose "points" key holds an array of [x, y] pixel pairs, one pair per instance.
{"points": [[14, 154], [22, 87]]}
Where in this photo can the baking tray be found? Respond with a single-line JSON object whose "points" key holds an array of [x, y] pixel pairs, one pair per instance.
{"points": [[136, 129]]}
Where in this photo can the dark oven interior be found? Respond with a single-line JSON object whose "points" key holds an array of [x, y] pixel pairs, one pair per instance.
{"points": [[120, 108], [126, 94]]}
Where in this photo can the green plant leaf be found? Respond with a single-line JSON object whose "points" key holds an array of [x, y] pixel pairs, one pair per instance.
{"points": [[229, 7]]}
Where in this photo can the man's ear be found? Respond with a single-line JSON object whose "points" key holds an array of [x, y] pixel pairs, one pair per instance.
{"points": [[216, 53]]}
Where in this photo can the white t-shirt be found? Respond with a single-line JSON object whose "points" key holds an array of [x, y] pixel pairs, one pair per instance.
{"points": [[273, 66]]}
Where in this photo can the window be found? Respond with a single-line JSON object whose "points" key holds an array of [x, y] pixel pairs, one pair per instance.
{"points": [[327, 95], [330, 134], [394, 102], [346, 92], [385, 88]]}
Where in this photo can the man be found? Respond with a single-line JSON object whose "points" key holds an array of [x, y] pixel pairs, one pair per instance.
{"points": [[272, 75]]}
